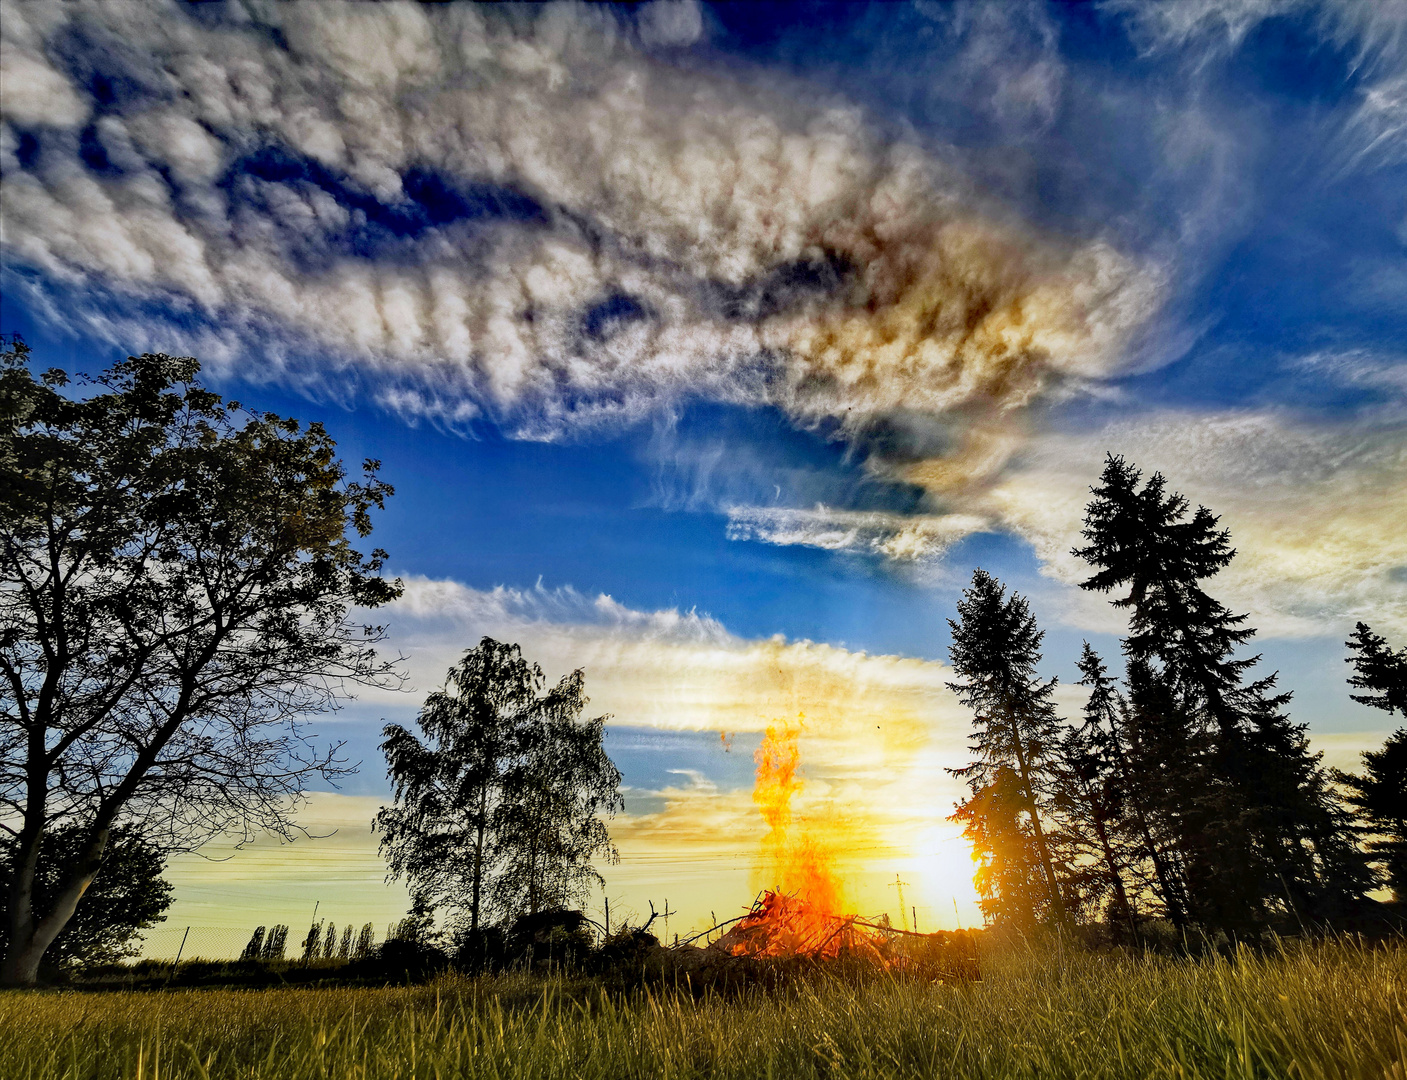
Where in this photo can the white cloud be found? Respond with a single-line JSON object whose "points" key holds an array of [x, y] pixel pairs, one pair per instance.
{"points": [[671, 669], [773, 249], [1317, 512], [900, 537], [670, 23]]}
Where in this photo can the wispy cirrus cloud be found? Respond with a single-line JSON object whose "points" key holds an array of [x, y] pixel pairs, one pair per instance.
{"points": [[1373, 35], [903, 538]]}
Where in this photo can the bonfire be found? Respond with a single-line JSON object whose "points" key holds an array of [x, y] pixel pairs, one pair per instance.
{"points": [[801, 916], [779, 925]]}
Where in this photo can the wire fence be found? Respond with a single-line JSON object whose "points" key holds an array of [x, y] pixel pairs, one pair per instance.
{"points": [[326, 940], [195, 943]]}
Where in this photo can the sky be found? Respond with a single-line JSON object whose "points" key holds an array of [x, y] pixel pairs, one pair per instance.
{"points": [[710, 347]]}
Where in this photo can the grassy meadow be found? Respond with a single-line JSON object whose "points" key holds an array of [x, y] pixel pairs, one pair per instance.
{"points": [[1329, 1009]]}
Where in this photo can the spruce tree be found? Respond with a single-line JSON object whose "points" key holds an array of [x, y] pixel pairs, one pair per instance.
{"points": [[1144, 541], [1008, 877], [1378, 669], [995, 650], [1255, 821], [1380, 797]]}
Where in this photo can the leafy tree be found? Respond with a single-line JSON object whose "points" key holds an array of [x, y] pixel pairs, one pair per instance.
{"points": [[1258, 821], [562, 787], [127, 895], [500, 809], [995, 650], [1379, 670], [175, 583], [1380, 796]]}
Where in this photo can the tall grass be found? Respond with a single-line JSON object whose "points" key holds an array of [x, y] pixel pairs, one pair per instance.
{"points": [[1331, 1009]]}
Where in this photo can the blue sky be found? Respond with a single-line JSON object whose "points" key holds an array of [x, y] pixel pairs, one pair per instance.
{"points": [[682, 327]]}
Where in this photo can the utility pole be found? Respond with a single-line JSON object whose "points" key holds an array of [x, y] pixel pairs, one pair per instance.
{"points": [[903, 912]]}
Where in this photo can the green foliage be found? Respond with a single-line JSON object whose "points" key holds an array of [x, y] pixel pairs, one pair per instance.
{"points": [[1223, 776], [176, 577], [501, 809], [1322, 1011], [128, 895]]}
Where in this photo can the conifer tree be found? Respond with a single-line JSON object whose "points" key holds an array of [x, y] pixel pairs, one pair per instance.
{"points": [[1380, 796], [995, 650], [1100, 820], [1008, 877], [1256, 822], [1378, 669]]}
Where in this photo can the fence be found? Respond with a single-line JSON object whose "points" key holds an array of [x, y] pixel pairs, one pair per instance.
{"points": [[195, 943], [225, 943]]}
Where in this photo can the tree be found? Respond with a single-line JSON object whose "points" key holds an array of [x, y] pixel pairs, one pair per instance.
{"points": [[128, 894], [562, 786], [1378, 669], [1143, 539], [1259, 824], [995, 650], [996, 823], [1090, 795], [176, 577], [1380, 796], [499, 810]]}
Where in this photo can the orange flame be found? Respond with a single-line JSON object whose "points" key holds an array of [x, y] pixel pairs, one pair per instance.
{"points": [[798, 862]]}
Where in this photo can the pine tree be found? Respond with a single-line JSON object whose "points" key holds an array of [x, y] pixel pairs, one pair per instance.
{"points": [[1100, 820], [1008, 877], [1254, 817], [1144, 541], [1380, 796], [995, 650], [1379, 669]]}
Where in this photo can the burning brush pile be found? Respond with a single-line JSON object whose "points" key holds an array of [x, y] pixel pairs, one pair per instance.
{"points": [[789, 928]]}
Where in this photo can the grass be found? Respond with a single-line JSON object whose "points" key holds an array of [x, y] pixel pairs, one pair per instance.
{"points": [[1329, 1009]]}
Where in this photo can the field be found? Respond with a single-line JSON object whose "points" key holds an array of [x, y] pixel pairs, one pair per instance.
{"points": [[1334, 1009]]}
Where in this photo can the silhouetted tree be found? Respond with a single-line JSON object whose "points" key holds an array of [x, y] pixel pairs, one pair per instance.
{"points": [[995, 650], [1089, 796], [1258, 822], [561, 787], [254, 949], [1380, 797], [1378, 669], [995, 821], [127, 895], [500, 810], [275, 942], [175, 584]]}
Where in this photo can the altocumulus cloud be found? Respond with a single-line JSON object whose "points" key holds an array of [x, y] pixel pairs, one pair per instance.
{"points": [[534, 217]]}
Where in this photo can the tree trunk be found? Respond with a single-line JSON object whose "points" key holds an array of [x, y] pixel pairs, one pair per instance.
{"points": [[1172, 895], [1121, 896], [1057, 902], [29, 941], [478, 865]]}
